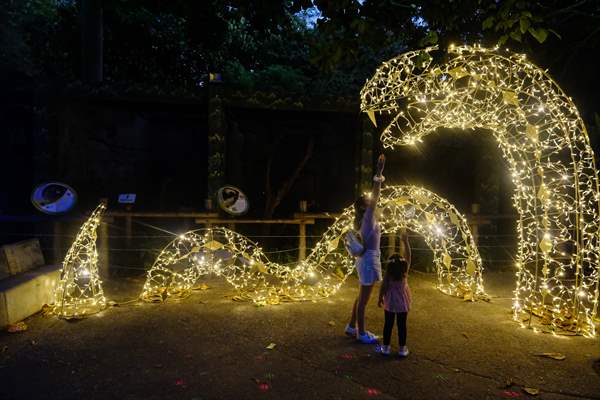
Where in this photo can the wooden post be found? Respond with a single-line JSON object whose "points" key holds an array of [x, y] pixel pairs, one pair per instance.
{"points": [[104, 261], [217, 132], [474, 222], [302, 241], [57, 242], [391, 245], [128, 231]]}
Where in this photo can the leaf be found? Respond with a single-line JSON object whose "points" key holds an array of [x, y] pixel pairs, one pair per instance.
{"points": [[542, 193], [333, 244], [555, 33], [516, 35], [400, 201], [502, 39], [16, 328], [213, 245], [471, 267], [453, 218], [456, 73], [339, 273], [539, 34], [554, 356], [271, 346], [531, 391], [47, 310], [447, 260], [260, 267], [524, 23], [546, 245], [510, 97], [488, 22], [532, 132], [431, 38]]}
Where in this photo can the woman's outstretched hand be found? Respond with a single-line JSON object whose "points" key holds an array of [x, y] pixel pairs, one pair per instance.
{"points": [[380, 164]]}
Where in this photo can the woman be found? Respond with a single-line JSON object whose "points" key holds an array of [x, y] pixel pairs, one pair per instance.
{"points": [[368, 265]]}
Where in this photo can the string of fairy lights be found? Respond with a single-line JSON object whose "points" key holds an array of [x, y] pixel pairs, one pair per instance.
{"points": [[244, 265], [546, 145], [544, 141], [79, 290]]}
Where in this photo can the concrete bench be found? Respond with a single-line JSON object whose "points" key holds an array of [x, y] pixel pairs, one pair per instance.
{"points": [[26, 283]]}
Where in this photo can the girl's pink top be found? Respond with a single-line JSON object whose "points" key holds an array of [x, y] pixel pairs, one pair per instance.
{"points": [[397, 298]]}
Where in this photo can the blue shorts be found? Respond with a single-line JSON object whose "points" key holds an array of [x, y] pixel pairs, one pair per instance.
{"points": [[368, 267]]}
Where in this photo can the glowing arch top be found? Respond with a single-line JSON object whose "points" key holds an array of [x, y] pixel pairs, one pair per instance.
{"points": [[545, 142], [79, 290], [244, 265]]}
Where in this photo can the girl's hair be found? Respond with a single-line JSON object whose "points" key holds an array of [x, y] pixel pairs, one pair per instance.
{"points": [[359, 211], [397, 267]]}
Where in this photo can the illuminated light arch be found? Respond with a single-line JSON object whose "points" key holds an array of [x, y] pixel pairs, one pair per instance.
{"points": [[79, 290], [246, 267], [545, 142]]}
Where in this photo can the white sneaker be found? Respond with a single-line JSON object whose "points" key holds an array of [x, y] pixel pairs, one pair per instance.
{"points": [[403, 351], [350, 331], [383, 350], [367, 338]]}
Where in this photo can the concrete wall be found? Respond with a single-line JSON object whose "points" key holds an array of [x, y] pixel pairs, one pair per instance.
{"points": [[25, 283], [20, 257]]}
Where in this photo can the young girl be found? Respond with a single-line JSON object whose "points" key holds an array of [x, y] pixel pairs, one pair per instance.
{"points": [[395, 296], [368, 265]]}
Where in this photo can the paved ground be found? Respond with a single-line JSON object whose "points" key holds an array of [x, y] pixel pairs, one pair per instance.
{"points": [[208, 347]]}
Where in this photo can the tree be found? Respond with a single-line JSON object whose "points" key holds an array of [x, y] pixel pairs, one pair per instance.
{"points": [[92, 41]]}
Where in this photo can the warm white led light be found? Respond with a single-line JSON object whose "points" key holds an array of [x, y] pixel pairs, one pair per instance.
{"points": [[79, 290], [243, 264], [546, 145]]}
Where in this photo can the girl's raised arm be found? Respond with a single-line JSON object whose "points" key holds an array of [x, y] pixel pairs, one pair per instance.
{"points": [[377, 180], [407, 253]]}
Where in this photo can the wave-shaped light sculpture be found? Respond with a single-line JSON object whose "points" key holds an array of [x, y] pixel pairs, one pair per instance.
{"points": [[546, 145], [245, 266]]}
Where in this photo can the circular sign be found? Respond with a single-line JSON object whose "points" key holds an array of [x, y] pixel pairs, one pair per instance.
{"points": [[232, 200], [54, 198]]}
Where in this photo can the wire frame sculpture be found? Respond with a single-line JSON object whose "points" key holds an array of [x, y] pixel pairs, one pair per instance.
{"points": [[79, 290], [546, 145], [246, 267]]}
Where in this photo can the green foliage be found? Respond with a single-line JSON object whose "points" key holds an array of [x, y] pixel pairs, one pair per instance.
{"points": [[33, 30], [170, 47], [514, 20], [276, 76], [235, 73]]}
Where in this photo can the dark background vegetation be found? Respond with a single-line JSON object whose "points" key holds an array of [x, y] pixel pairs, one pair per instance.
{"points": [[141, 124]]}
